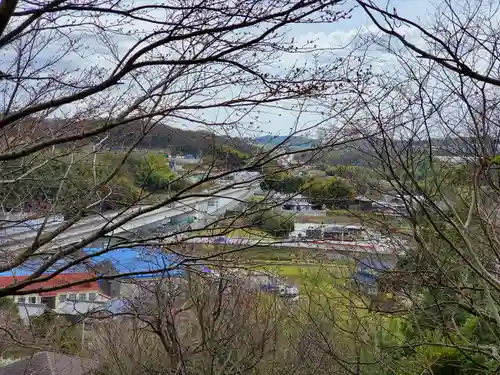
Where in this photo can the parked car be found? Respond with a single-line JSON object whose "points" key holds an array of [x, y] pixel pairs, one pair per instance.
{"points": [[220, 240], [270, 288], [290, 292]]}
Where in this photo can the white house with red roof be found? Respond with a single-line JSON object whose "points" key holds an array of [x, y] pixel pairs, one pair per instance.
{"points": [[72, 300]]}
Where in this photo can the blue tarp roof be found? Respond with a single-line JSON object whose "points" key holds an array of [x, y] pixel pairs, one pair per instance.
{"points": [[205, 269], [365, 278], [153, 262]]}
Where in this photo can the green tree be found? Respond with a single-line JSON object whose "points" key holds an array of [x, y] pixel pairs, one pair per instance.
{"points": [[452, 323], [274, 223], [65, 336], [361, 178], [283, 183], [150, 171], [8, 305], [329, 190], [228, 158]]}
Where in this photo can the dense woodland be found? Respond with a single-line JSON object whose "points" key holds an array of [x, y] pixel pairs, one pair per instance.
{"points": [[156, 136]]}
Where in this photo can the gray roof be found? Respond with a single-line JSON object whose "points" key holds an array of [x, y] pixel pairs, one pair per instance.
{"points": [[49, 363]]}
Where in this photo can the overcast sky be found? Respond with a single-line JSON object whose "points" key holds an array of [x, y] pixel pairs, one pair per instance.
{"points": [[338, 34], [270, 120]]}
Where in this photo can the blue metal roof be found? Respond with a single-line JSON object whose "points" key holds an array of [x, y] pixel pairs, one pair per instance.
{"points": [[368, 271], [371, 264], [33, 265], [153, 262]]}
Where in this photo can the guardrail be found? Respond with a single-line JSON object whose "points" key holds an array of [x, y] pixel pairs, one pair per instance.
{"points": [[305, 212]]}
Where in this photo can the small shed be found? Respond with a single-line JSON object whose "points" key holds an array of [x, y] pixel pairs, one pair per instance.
{"points": [[367, 275], [362, 203]]}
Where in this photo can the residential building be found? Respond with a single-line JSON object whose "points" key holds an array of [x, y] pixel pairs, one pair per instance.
{"points": [[296, 203], [367, 274], [132, 266], [72, 300]]}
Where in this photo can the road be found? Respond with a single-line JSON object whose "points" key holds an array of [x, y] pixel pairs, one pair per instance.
{"points": [[357, 247], [89, 226]]}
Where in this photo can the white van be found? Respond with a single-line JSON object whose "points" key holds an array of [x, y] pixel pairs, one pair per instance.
{"points": [[290, 292]]}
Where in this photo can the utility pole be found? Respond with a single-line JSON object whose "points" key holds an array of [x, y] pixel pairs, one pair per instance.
{"points": [[83, 333]]}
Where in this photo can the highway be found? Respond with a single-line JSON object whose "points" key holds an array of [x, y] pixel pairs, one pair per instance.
{"points": [[89, 226], [193, 206]]}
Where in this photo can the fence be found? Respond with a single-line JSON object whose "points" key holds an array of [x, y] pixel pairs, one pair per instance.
{"points": [[306, 212], [11, 224]]}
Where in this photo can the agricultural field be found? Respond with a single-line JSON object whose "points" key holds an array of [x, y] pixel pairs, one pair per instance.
{"points": [[327, 304], [326, 301], [315, 281]]}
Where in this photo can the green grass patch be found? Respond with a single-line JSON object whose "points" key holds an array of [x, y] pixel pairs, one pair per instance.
{"points": [[327, 303], [325, 298], [313, 275], [255, 254]]}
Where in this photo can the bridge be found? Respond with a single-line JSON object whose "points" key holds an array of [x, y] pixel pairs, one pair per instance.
{"points": [[213, 204]]}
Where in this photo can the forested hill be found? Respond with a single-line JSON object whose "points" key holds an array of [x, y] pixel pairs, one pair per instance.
{"points": [[160, 137], [175, 140]]}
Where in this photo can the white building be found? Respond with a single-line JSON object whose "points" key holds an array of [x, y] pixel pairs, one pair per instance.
{"points": [[296, 203], [74, 300]]}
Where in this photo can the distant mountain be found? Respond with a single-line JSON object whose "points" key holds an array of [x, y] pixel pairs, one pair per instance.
{"points": [[368, 152], [286, 141]]}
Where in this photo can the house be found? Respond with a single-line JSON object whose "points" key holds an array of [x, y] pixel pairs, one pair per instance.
{"points": [[130, 265], [358, 203], [72, 300], [391, 205], [367, 275], [140, 295], [49, 363], [361, 203], [296, 203]]}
